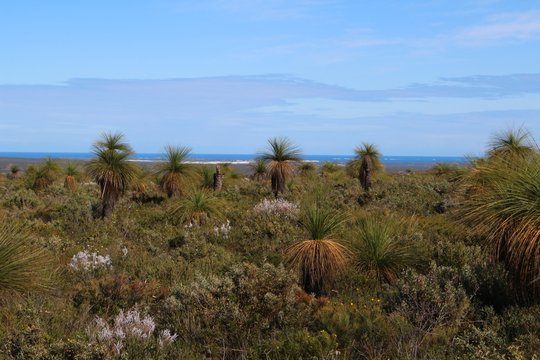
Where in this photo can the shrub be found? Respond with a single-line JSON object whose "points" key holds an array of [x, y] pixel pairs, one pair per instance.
{"points": [[114, 292], [434, 304], [235, 311], [22, 199]]}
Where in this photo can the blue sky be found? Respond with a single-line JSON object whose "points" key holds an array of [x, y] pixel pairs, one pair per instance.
{"points": [[415, 77]]}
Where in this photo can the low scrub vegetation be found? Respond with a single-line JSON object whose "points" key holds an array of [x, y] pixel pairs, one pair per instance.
{"points": [[106, 261]]}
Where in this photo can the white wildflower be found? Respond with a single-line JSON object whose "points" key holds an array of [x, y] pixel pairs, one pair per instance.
{"points": [[84, 261], [165, 338], [223, 230], [276, 207], [130, 325]]}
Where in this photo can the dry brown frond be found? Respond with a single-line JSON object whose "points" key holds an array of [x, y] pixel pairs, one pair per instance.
{"points": [[319, 261], [70, 183]]}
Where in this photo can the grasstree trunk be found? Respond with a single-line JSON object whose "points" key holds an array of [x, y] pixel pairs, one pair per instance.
{"points": [[312, 286], [108, 203], [365, 173], [278, 182], [107, 207], [218, 179]]}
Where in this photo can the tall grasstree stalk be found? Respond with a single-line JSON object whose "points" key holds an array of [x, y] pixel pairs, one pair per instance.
{"points": [[111, 169], [174, 169], [321, 257], [501, 202], [70, 181], [23, 268], [280, 158], [368, 158]]}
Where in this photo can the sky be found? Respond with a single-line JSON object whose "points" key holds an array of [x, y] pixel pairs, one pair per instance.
{"points": [[419, 77]]}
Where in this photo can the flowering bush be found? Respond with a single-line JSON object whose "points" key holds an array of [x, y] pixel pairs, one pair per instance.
{"points": [[223, 230], [276, 207], [128, 326], [84, 261]]}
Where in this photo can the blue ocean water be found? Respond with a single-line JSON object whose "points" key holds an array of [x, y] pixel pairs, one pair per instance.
{"points": [[340, 159]]}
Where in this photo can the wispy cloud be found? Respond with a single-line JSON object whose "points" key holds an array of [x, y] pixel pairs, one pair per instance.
{"points": [[251, 108], [521, 26]]}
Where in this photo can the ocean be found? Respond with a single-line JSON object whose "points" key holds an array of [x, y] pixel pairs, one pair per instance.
{"points": [[245, 158]]}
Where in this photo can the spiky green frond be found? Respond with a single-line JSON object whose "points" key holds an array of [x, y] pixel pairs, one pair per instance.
{"points": [[259, 167], [72, 170], [380, 250], [502, 203], [175, 160], [320, 258], [111, 169], [321, 223], [174, 169], [206, 174], [112, 142], [197, 206], [281, 149], [512, 142], [23, 267], [280, 155], [367, 150]]}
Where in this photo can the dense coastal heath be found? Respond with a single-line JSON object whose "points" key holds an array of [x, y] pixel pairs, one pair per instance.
{"points": [[108, 258]]}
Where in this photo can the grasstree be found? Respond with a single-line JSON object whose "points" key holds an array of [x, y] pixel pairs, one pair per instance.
{"points": [[112, 170], [44, 175], [174, 170], [259, 170], [23, 268], [369, 157], [197, 207], [500, 202], [380, 248], [14, 172], [512, 143], [280, 156], [307, 168], [218, 179], [320, 258], [70, 181]]}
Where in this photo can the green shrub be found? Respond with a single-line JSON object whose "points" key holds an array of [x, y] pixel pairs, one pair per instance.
{"points": [[434, 304], [22, 199], [236, 310]]}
